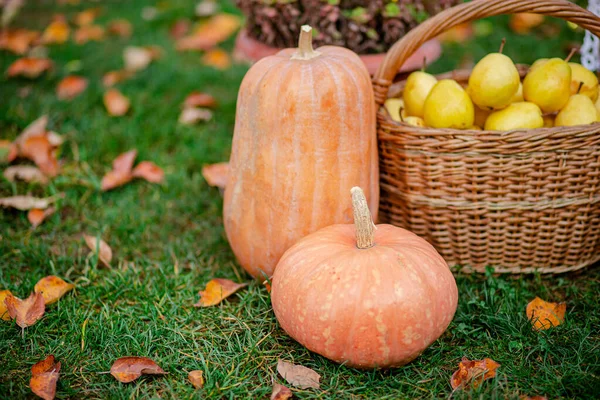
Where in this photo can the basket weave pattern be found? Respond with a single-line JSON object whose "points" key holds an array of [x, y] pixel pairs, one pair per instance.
{"points": [[519, 201]]}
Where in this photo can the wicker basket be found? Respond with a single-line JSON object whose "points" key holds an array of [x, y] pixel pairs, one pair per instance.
{"points": [[520, 201]]}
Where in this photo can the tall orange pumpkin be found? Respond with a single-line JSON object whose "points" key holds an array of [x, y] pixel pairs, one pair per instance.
{"points": [[304, 135]]}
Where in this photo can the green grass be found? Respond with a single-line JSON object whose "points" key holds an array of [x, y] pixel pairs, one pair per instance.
{"points": [[169, 241]]}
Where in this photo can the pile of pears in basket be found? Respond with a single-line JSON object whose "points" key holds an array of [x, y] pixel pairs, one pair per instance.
{"points": [[555, 92]]}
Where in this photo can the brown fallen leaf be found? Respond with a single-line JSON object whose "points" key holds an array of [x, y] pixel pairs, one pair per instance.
{"points": [[196, 378], [206, 8], [89, 33], [39, 150], [473, 372], [25, 203], [217, 58], [27, 312], [128, 369], [179, 28], [17, 40], [27, 173], [44, 376], [199, 99], [35, 128], [216, 174], [120, 27], [57, 32], [191, 115], [136, 58], [523, 23], [3, 310], [29, 67], [124, 161], [533, 398], [52, 288], [149, 171], [216, 30], [121, 172], [298, 376], [36, 216], [70, 87], [281, 392], [544, 315], [113, 77], [216, 291], [99, 247], [87, 17], [116, 103]]}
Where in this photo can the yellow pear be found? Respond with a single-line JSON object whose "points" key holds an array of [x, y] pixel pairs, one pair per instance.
{"points": [[418, 86], [393, 107], [494, 82], [414, 121], [579, 110], [476, 128], [538, 63], [548, 85], [579, 75], [549, 120], [518, 97], [481, 116], [448, 106], [521, 115], [597, 104]]}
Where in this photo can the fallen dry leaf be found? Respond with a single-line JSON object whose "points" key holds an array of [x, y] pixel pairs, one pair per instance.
{"points": [[128, 369], [190, 116], [17, 40], [27, 173], [113, 77], [216, 291], [121, 172], [89, 33], [544, 315], [199, 99], [179, 28], [29, 67], [298, 376], [116, 103], [124, 161], [281, 392], [523, 23], [87, 17], [39, 150], [70, 87], [473, 372], [216, 174], [216, 30], [27, 312], [217, 58], [44, 376], [206, 8], [136, 58], [57, 32], [52, 288], [120, 27], [196, 378], [3, 310], [36, 216], [100, 247], [533, 398], [37, 127], [149, 171], [24, 203]]}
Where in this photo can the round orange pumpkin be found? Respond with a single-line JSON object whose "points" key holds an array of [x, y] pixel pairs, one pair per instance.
{"points": [[366, 296], [304, 135]]}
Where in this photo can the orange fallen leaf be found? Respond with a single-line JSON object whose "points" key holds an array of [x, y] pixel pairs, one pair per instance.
{"points": [[24, 203], [52, 288], [17, 40], [149, 171], [216, 291], [57, 32], [191, 115], [179, 28], [87, 17], [523, 23], [99, 247], [199, 99], [120, 27], [121, 172], [3, 310], [37, 127], [27, 173], [128, 369], [298, 376], [70, 87], [216, 174], [216, 30], [116, 103], [113, 77], [544, 315], [88, 33], [281, 392], [27, 312], [29, 67], [44, 376], [473, 372], [533, 398], [39, 150], [196, 378], [459, 34], [36, 216], [136, 58], [217, 58], [124, 161]]}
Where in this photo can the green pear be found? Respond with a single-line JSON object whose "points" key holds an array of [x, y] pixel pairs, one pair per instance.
{"points": [[579, 75], [548, 85], [393, 107], [418, 86], [448, 106], [521, 115], [579, 110], [494, 82]]}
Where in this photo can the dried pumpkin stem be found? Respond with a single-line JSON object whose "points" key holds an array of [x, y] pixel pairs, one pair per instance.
{"points": [[363, 222], [305, 49]]}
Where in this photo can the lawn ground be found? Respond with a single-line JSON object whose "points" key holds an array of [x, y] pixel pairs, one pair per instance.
{"points": [[168, 241]]}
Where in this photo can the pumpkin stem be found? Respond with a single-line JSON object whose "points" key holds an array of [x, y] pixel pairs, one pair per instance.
{"points": [[305, 49], [363, 222]]}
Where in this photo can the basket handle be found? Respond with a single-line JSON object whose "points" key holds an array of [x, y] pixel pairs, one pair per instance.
{"points": [[467, 12]]}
